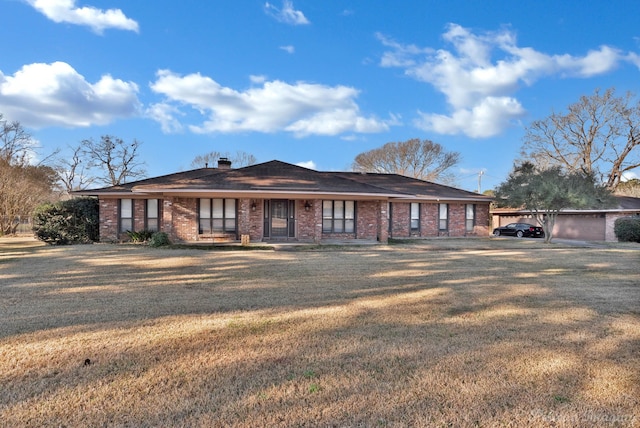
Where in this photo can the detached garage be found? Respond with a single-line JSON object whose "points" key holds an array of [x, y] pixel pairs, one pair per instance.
{"points": [[586, 225]]}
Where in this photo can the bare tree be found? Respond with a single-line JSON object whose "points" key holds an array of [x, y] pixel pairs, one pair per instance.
{"points": [[117, 160], [422, 159], [599, 135], [210, 159], [74, 173], [629, 188], [15, 143], [22, 189]]}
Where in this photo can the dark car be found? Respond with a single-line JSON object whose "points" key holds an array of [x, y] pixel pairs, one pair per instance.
{"points": [[519, 230]]}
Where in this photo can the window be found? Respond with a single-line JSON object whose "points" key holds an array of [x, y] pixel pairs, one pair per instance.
{"points": [[470, 217], [338, 216], [126, 215], [415, 216], [152, 219], [443, 217], [217, 215]]}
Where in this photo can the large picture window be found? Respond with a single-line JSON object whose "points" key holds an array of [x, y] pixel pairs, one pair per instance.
{"points": [[126, 215], [338, 216], [415, 216], [443, 217], [470, 217], [217, 215], [152, 215]]}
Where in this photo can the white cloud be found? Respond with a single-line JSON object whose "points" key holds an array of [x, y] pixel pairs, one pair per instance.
{"points": [[289, 49], [481, 72], [98, 20], [258, 79], [485, 119], [165, 115], [300, 108], [287, 14], [634, 58], [57, 95], [307, 164]]}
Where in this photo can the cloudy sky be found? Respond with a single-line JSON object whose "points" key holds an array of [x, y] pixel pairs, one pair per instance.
{"points": [[308, 82]]}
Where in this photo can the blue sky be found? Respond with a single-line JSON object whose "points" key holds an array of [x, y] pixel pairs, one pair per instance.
{"points": [[309, 82]]}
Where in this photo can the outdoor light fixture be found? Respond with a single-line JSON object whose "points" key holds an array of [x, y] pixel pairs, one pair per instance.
{"points": [[253, 205], [307, 206]]}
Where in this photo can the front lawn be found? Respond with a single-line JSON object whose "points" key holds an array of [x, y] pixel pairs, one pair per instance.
{"points": [[481, 332]]}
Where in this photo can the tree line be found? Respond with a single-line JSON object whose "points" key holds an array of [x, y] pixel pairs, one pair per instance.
{"points": [[595, 139]]}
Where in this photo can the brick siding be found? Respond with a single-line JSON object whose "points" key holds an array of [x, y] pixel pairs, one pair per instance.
{"points": [[179, 219]]}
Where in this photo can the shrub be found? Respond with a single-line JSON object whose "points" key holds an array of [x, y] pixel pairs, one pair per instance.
{"points": [[74, 221], [627, 229], [159, 239], [140, 236]]}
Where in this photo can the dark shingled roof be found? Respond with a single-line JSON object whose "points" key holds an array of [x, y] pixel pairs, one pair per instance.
{"points": [[277, 176]]}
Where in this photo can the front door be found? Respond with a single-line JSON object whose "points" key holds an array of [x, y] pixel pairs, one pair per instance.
{"points": [[282, 218]]}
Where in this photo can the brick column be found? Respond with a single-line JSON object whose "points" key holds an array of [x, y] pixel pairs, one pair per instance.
{"points": [[166, 222], [383, 222], [108, 213]]}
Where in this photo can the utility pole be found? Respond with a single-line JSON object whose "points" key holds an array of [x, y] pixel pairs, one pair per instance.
{"points": [[480, 174]]}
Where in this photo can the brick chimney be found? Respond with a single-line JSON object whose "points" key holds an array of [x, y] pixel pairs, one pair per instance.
{"points": [[224, 163]]}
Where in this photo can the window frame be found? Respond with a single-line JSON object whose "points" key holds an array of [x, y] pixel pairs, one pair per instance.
{"points": [[229, 215], [470, 222], [443, 221], [414, 216], [339, 220], [147, 217], [122, 220]]}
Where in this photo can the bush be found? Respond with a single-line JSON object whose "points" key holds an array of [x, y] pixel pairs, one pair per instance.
{"points": [[141, 236], [74, 221], [627, 229], [159, 239]]}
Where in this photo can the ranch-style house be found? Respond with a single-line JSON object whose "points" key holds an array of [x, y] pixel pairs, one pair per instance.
{"points": [[277, 201]]}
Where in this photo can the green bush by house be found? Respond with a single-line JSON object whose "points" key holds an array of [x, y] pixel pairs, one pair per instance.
{"points": [[627, 229], [74, 221]]}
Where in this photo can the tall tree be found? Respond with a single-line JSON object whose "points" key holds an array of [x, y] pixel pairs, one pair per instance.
{"points": [[74, 173], [118, 160], [22, 186], [598, 135], [546, 192], [629, 188], [210, 159], [22, 189], [16, 143], [422, 159]]}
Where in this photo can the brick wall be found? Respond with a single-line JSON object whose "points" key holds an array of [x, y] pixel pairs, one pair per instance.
{"points": [[139, 210], [457, 220], [309, 222], [482, 225], [250, 220], [400, 219], [429, 219], [184, 220], [368, 221], [108, 220], [179, 219]]}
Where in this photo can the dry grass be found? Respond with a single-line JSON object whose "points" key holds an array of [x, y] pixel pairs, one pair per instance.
{"points": [[439, 333]]}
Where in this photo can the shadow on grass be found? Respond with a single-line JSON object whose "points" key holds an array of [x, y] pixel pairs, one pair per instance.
{"points": [[417, 335]]}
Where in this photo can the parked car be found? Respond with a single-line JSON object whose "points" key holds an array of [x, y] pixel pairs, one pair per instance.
{"points": [[519, 230]]}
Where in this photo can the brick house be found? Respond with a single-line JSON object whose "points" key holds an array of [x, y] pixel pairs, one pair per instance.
{"points": [[277, 201]]}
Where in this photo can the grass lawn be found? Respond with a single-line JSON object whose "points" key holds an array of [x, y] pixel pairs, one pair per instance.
{"points": [[443, 332]]}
